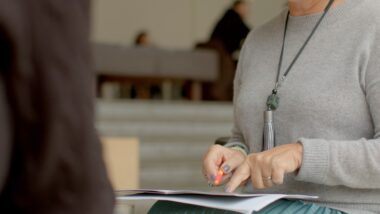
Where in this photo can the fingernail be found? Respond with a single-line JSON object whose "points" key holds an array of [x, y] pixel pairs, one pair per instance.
{"points": [[226, 168], [212, 177], [227, 189]]}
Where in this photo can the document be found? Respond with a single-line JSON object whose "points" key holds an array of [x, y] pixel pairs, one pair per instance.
{"points": [[241, 203]]}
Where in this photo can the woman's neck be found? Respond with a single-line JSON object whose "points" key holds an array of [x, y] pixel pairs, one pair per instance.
{"points": [[308, 7]]}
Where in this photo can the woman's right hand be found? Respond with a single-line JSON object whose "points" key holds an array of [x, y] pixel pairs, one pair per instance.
{"points": [[220, 157]]}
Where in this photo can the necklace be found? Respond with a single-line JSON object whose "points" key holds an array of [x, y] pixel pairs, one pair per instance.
{"points": [[273, 100]]}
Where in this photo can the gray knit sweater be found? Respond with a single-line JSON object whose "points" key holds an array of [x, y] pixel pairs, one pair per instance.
{"points": [[330, 102]]}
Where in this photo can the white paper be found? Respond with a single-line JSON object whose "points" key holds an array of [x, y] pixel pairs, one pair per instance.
{"points": [[242, 203]]}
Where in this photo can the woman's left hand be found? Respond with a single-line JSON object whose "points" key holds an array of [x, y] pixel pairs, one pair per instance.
{"points": [[268, 168]]}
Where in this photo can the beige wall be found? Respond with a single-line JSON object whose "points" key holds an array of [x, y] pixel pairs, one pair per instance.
{"points": [[171, 23]]}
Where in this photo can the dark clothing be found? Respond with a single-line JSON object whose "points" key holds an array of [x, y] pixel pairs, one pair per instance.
{"points": [[222, 88], [47, 130], [231, 30], [226, 38]]}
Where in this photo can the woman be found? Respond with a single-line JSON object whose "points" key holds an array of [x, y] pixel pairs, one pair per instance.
{"points": [[328, 120]]}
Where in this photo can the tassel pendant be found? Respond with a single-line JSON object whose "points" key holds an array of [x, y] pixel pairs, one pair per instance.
{"points": [[269, 132], [273, 103]]}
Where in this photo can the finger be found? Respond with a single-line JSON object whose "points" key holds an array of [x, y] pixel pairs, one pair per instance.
{"points": [[267, 181], [226, 179], [209, 181], [205, 176], [257, 178], [219, 177], [244, 183], [267, 174], [232, 162], [278, 171], [241, 174], [278, 176], [212, 161]]}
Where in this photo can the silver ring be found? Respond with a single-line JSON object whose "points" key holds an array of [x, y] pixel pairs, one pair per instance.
{"points": [[268, 178]]}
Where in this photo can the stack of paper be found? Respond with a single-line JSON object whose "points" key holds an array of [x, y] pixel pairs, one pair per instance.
{"points": [[241, 203]]}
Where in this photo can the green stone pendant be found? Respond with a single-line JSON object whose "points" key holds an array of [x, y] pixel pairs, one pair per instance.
{"points": [[273, 102]]}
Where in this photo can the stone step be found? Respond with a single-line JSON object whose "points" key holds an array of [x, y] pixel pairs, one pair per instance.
{"points": [[163, 129], [173, 137], [176, 166], [175, 176], [172, 175], [163, 111], [180, 151]]}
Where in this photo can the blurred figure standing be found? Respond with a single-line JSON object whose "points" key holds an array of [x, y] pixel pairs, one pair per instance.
{"points": [[226, 38], [50, 155], [231, 29]]}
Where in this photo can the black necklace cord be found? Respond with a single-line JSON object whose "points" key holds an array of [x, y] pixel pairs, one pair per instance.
{"points": [[302, 48], [273, 100]]}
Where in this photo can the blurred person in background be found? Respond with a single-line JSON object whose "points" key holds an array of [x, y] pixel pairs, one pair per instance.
{"points": [[50, 155], [231, 29], [142, 39], [226, 39], [144, 90]]}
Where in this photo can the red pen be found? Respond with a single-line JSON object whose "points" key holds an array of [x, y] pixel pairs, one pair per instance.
{"points": [[219, 177]]}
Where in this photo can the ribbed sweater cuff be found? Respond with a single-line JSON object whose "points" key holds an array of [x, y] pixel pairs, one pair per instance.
{"points": [[315, 161], [238, 144]]}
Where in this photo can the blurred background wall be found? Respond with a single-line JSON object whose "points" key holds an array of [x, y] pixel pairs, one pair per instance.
{"points": [[171, 23]]}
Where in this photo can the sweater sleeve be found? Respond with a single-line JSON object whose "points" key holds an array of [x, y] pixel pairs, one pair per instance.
{"points": [[355, 164], [237, 138]]}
